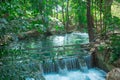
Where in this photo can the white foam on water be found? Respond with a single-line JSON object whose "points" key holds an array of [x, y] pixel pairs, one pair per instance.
{"points": [[92, 74]]}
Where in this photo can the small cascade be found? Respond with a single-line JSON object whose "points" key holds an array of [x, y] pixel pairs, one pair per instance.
{"points": [[72, 63], [65, 64], [50, 67], [88, 60], [83, 65]]}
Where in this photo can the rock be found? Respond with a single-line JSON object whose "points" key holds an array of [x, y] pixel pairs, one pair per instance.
{"points": [[96, 45], [97, 40], [114, 74], [92, 49], [32, 33]]}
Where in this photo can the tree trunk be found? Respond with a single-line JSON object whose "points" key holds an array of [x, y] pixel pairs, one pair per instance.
{"points": [[57, 9], [90, 23], [63, 14], [79, 17], [101, 25], [67, 16]]}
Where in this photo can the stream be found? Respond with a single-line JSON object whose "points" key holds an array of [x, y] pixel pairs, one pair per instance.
{"points": [[70, 63], [54, 40]]}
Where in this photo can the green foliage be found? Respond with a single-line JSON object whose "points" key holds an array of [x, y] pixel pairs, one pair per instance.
{"points": [[115, 46], [59, 28], [101, 48], [25, 15], [6, 52], [118, 1], [79, 7], [115, 22]]}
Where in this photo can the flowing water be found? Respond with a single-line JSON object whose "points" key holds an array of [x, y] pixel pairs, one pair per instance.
{"points": [[72, 68], [71, 63], [92, 74]]}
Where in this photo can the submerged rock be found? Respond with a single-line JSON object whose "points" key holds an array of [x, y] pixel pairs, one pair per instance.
{"points": [[114, 74]]}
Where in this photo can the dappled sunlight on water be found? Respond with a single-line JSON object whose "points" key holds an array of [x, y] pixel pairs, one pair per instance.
{"points": [[58, 40], [55, 40]]}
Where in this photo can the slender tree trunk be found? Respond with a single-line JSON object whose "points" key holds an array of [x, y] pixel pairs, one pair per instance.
{"points": [[96, 14], [90, 23], [41, 10], [57, 9], [67, 16], [79, 17], [101, 25], [53, 13], [57, 13], [63, 14]]}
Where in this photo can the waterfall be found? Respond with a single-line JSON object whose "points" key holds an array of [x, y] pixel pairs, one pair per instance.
{"points": [[49, 67], [70, 68], [65, 64], [83, 65], [88, 60]]}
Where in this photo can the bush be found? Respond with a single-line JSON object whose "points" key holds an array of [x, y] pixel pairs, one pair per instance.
{"points": [[115, 47]]}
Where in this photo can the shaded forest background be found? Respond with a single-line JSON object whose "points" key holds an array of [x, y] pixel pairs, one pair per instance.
{"points": [[100, 18]]}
